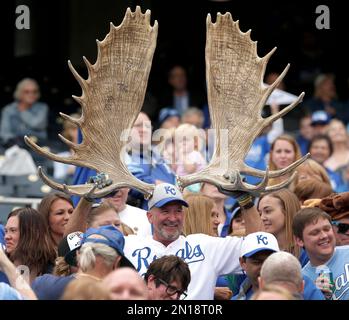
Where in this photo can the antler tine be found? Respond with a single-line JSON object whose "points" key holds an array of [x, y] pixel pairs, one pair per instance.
{"points": [[69, 143], [239, 184], [282, 184], [50, 155], [69, 118], [284, 111], [290, 168], [88, 66], [262, 185], [48, 181], [79, 79], [87, 189], [268, 90], [276, 173]]}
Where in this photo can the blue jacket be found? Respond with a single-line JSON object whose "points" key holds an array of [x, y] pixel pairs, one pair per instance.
{"points": [[256, 157], [148, 168]]}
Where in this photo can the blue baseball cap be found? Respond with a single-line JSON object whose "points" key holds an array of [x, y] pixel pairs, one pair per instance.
{"points": [[320, 118], [112, 237], [166, 113], [165, 193]]}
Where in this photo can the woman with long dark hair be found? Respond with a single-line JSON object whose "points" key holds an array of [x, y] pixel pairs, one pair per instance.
{"points": [[28, 242]]}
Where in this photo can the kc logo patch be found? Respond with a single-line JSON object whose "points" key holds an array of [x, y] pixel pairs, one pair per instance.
{"points": [[171, 190], [261, 238]]}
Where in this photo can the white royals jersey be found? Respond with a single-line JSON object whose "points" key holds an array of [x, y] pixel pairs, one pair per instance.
{"points": [[207, 257], [136, 219]]}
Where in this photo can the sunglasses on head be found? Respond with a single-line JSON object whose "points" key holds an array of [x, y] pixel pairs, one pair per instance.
{"points": [[342, 227]]}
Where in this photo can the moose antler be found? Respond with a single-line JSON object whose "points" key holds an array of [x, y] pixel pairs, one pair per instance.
{"points": [[111, 100], [236, 97]]}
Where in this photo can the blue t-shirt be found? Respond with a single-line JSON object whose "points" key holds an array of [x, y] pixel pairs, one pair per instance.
{"points": [[335, 179], [149, 168], [339, 265], [8, 293], [303, 258], [303, 144], [256, 157], [225, 229], [50, 287], [311, 291], [2, 234]]}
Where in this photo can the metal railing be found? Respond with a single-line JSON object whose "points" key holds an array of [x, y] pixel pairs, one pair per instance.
{"points": [[7, 204]]}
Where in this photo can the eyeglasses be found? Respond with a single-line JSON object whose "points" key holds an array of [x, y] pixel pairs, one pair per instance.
{"points": [[30, 91], [112, 194], [171, 290], [342, 227]]}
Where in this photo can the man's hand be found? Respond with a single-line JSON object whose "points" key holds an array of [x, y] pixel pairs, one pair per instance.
{"points": [[101, 180], [222, 293], [324, 285]]}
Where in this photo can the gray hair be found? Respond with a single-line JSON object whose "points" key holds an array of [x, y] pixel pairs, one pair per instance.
{"points": [[194, 111], [89, 251], [282, 267], [21, 84]]}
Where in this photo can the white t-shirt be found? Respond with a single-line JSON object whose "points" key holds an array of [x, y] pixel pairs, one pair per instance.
{"points": [[207, 257], [136, 219]]}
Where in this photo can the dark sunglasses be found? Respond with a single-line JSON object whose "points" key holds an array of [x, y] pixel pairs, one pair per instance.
{"points": [[171, 290], [112, 194], [342, 227]]}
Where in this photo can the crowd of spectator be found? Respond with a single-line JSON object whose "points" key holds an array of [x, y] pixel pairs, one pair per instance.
{"points": [[201, 244]]}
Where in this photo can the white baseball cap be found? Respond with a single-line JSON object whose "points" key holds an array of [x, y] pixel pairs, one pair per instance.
{"points": [[258, 241], [165, 193]]}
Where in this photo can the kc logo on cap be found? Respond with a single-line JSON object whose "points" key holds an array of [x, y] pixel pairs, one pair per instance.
{"points": [[258, 241], [165, 193], [170, 190]]}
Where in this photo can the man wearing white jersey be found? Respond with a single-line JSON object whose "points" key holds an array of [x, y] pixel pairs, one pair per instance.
{"points": [[207, 257]]}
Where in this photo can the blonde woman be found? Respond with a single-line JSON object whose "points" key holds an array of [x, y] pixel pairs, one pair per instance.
{"points": [[283, 152], [339, 139], [277, 210], [201, 216]]}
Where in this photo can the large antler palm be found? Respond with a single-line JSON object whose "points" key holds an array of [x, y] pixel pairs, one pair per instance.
{"points": [[111, 100], [236, 97]]}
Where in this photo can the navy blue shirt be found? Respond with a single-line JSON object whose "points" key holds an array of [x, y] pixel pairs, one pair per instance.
{"points": [[50, 287]]}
